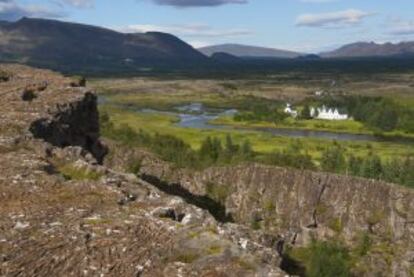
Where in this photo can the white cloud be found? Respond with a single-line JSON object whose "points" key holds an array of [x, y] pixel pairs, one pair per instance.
{"points": [[198, 44], [332, 19], [197, 3], [401, 27], [11, 10], [189, 30], [80, 3], [318, 1]]}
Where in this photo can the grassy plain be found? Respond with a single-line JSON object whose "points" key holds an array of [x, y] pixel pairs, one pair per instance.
{"points": [[261, 142], [122, 99]]}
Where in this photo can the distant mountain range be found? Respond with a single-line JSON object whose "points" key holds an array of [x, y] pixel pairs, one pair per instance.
{"points": [[247, 51], [371, 49], [354, 50], [69, 46]]}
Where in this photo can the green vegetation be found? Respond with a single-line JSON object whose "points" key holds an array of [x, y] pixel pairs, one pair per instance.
{"points": [[4, 76], [343, 126], [294, 156], [363, 246], [395, 170], [71, 172], [175, 150], [192, 148], [187, 258], [262, 112], [374, 112], [218, 192], [377, 113], [333, 159], [323, 259], [306, 113]]}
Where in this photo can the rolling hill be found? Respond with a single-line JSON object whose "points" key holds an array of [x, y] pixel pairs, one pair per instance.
{"points": [[73, 47]]}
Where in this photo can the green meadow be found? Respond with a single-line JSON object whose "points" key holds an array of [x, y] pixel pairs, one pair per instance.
{"points": [[261, 142]]}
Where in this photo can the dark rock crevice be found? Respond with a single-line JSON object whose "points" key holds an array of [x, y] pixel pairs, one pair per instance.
{"points": [[318, 202], [215, 208], [74, 124]]}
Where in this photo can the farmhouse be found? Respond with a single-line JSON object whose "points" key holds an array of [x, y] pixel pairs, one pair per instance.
{"points": [[328, 114], [290, 111]]}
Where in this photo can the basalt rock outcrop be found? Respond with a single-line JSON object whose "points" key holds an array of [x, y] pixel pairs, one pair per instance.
{"points": [[299, 206], [73, 124], [64, 214]]}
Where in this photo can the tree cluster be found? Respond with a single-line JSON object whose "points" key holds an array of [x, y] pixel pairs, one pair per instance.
{"points": [[262, 112], [378, 113], [401, 171]]}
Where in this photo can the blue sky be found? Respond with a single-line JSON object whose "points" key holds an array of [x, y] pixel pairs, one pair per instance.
{"points": [[301, 25]]}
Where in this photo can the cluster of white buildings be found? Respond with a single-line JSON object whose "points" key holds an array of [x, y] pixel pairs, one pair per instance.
{"points": [[328, 114], [323, 113]]}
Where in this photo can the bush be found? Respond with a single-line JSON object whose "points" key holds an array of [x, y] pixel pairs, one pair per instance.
{"points": [[306, 113], [217, 192], [70, 172], [333, 159], [4, 76], [294, 156], [28, 95], [262, 112], [323, 259]]}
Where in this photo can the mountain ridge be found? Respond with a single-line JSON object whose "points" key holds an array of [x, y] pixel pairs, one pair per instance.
{"points": [[240, 50], [66, 45], [371, 49]]}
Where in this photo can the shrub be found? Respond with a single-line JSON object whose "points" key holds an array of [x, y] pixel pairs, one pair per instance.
{"points": [[333, 159], [306, 113], [134, 166], [364, 245], [323, 259], [79, 81], [217, 192], [4, 76], [293, 156], [28, 95], [71, 172]]}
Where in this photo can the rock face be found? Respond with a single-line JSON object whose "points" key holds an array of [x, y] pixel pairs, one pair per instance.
{"points": [[301, 205], [75, 124], [63, 214]]}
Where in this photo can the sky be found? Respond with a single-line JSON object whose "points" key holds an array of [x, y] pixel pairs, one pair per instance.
{"points": [[309, 26]]}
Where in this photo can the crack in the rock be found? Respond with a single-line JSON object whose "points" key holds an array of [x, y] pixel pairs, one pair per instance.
{"points": [[318, 201], [215, 208]]}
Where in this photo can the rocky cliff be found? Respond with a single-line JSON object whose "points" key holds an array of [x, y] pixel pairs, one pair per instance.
{"points": [[64, 214], [299, 206]]}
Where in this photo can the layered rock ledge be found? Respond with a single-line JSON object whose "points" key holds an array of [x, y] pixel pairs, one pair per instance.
{"points": [[64, 214]]}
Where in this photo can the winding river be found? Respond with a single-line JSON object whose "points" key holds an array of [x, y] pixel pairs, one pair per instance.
{"points": [[196, 116]]}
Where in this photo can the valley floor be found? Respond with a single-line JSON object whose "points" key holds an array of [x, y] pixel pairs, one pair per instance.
{"points": [[153, 106]]}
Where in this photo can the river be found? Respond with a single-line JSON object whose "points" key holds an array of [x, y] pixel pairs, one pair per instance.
{"points": [[196, 116]]}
